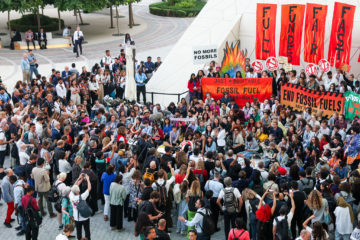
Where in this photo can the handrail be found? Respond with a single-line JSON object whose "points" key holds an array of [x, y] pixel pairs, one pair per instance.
{"points": [[171, 94]]}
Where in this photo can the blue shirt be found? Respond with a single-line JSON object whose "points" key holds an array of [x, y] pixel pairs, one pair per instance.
{"points": [[5, 97], [25, 65], [140, 79], [30, 59], [167, 129], [149, 65], [107, 180]]}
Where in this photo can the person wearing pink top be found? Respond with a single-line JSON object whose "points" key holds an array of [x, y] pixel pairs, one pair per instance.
{"points": [[29, 37]]}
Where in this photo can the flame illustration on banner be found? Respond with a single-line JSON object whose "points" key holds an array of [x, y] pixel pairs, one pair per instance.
{"points": [[234, 60]]}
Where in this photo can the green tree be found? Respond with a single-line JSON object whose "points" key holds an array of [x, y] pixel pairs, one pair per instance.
{"points": [[33, 6], [8, 5], [131, 15], [115, 3]]}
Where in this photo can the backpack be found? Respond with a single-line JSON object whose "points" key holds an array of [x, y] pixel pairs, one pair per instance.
{"points": [[143, 206], [31, 216], [349, 199], [258, 189], [53, 193], [309, 186], [58, 204], [149, 175], [230, 202], [26, 138], [14, 153], [282, 229], [254, 203], [238, 237], [208, 226], [83, 208], [163, 193]]}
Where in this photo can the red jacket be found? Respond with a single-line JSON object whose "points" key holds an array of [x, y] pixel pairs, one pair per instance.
{"points": [[25, 201], [191, 85]]}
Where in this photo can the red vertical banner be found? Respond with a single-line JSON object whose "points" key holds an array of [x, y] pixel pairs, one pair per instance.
{"points": [[265, 30], [341, 32], [314, 35], [292, 18]]}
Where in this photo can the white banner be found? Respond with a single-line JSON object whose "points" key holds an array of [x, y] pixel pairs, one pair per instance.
{"points": [[205, 54]]}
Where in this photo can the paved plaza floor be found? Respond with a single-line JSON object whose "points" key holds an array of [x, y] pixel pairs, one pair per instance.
{"points": [[154, 37]]}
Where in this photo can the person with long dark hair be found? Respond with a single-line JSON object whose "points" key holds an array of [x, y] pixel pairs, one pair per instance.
{"points": [[194, 87]]}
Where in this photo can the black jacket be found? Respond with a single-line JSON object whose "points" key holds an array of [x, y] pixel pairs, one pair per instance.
{"points": [[39, 36]]}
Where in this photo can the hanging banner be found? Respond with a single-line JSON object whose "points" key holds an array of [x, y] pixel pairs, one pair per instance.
{"points": [[265, 30], [314, 35], [299, 99], [241, 89], [341, 32], [292, 18], [352, 105]]}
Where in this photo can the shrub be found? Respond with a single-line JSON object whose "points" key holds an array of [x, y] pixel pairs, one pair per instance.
{"points": [[186, 4], [29, 21], [181, 9]]}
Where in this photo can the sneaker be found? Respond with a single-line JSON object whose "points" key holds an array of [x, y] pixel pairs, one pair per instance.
{"points": [[8, 225], [22, 232], [53, 215], [43, 214], [121, 230], [18, 228], [98, 211], [12, 220]]}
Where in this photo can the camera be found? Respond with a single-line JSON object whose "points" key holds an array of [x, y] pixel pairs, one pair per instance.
{"points": [[83, 174]]}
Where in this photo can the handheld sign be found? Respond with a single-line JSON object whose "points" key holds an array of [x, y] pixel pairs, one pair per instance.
{"points": [[311, 69], [283, 60], [324, 65], [272, 63], [257, 66], [288, 67]]}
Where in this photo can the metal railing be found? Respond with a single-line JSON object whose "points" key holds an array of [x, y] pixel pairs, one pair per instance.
{"points": [[171, 94]]}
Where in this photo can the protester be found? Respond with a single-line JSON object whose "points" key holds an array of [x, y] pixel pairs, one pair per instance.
{"points": [[244, 159]]}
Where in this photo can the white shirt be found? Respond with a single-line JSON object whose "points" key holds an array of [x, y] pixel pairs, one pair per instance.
{"points": [[251, 75], [236, 193], [2, 137], [74, 199], [61, 237], [108, 60], [343, 220], [64, 166], [61, 90], [280, 218], [221, 138], [161, 182], [93, 86], [39, 129], [77, 35], [23, 158]]}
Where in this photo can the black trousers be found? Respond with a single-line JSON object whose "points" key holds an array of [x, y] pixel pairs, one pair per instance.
{"points": [[28, 43], [94, 97], [45, 42], [229, 222], [120, 92], [296, 221], [116, 216], [78, 45], [31, 232], [92, 200], [86, 225], [126, 206], [141, 89], [132, 214], [215, 210]]}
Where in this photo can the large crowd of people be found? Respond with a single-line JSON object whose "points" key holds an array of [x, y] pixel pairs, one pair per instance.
{"points": [[199, 166]]}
